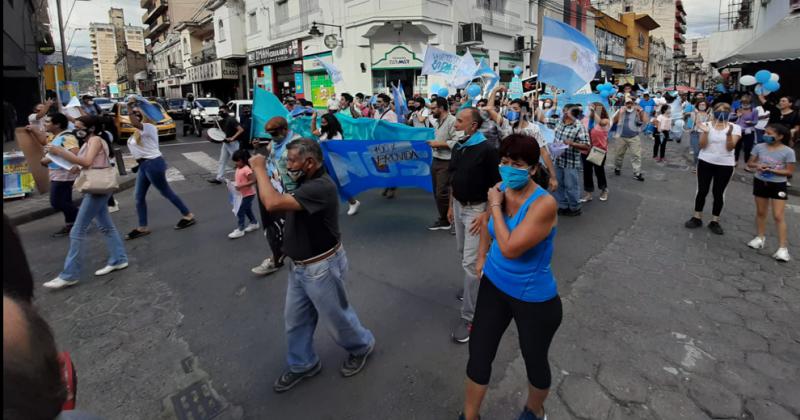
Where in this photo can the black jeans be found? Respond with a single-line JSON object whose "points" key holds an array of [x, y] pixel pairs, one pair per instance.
{"points": [[273, 223], [61, 200], [537, 323], [745, 145], [660, 143], [590, 170], [706, 174]]}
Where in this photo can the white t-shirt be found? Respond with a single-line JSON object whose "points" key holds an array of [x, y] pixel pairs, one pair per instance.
{"points": [[324, 137], [715, 151], [148, 146], [763, 118], [388, 115], [664, 122], [532, 130]]}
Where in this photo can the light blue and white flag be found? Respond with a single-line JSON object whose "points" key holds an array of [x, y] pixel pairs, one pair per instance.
{"points": [[465, 71], [568, 59], [400, 103], [333, 71], [489, 77], [439, 62]]}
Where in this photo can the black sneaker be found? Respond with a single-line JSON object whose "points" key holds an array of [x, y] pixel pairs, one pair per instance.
{"points": [[617, 172], [64, 231], [693, 223], [562, 212], [573, 213], [214, 181], [184, 223], [354, 363], [716, 228], [136, 233], [461, 333], [289, 379], [638, 177], [439, 225]]}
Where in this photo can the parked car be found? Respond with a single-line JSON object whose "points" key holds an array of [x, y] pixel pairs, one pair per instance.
{"points": [[175, 108], [166, 127], [238, 106], [210, 109], [104, 103]]}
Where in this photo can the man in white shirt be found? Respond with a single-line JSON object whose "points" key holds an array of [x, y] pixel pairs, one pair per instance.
{"points": [[383, 109]]}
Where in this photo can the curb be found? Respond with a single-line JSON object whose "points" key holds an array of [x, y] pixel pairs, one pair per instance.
{"points": [[44, 212]]}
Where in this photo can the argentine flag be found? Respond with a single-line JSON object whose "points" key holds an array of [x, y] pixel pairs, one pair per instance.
{"points": [[568, 59]]}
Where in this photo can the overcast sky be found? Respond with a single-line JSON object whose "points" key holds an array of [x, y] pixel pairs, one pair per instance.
{"points": [[702, 16]]}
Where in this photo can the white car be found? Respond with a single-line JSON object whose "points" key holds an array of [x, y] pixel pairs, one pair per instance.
{"points": [[210, 109], [238, 106]]}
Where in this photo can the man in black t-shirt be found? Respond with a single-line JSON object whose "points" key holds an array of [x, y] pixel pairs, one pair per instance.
{"points": [[233, 132], [316, 276]]}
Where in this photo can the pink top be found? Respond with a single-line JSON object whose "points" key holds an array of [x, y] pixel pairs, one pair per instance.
{"points": [[599, 137], [241, 179]]}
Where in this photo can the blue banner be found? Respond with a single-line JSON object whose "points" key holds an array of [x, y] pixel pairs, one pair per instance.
{"points": [[357, 166]]}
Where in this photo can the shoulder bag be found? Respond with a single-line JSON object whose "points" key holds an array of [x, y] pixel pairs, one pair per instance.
{"points": [[94, 180]]}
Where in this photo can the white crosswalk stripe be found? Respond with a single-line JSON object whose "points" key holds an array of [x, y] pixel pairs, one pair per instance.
{"points": [[173, 175], [203, 160]]}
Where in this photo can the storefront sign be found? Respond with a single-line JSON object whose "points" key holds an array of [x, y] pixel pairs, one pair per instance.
{"points": [[399, 57], [311, 65], [289, 50], [298, 83], [213, 70], [321, 90]]}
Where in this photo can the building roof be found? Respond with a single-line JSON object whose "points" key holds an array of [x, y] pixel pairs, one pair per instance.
{"points": [[773, 45]]}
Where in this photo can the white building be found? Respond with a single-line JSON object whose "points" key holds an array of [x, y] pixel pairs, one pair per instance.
{"points": [[741, 21], [373, 44]]}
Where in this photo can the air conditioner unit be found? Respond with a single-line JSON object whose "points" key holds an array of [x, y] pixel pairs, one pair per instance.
{"points": [[471, 34], [519, 43]]}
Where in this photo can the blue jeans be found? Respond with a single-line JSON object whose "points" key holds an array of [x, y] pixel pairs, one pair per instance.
{"points": [[314, 290], [246, 209], [568, 194], [93, 207], [694, 141], [225, 154], [153, 171]]}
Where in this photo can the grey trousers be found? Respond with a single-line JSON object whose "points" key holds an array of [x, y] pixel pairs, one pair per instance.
{"points": [[468, 249]]}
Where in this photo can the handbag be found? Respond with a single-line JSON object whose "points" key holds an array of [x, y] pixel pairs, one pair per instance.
{"points": [[596, 156], [98, 180]]}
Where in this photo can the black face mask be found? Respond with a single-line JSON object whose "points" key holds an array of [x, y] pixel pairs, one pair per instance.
{"points": [[575, 113], [223, 114]]}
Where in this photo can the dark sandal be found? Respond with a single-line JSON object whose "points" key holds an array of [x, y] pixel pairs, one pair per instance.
{"points": [[136, 233], [184, 223]]}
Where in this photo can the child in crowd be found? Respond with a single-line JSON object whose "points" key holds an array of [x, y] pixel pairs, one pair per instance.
{"points": [[773, 160], [663, 125], [245, 179]]}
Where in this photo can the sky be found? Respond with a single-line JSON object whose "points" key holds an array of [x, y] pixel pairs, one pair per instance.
{"points": [[702, 17], [84, 13]]}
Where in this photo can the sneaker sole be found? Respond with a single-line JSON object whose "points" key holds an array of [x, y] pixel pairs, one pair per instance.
{"points": [[268, 272], [113, 270], [461, 341], [360, 368], [310, 374], [70, 284]]}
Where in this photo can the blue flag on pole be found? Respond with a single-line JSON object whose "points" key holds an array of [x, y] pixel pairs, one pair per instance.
{"points": [[400, 104], [568, 59]]}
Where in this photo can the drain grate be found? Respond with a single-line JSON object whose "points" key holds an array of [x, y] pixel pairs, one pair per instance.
{"points": [[196, 402]]}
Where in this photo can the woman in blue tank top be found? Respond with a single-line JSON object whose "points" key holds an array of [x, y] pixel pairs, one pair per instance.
{"points": [[516, 279]]}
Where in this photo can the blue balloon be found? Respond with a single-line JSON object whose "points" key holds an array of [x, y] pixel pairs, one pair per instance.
{"points": [[763, 76], [772, 86], [473, 90], [443, 92], [760, 90], [605, 94], [434, 89], [518, 71]]}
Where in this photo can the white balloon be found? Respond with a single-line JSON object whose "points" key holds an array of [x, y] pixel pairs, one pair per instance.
{"points": [[747, 80], [774, 77]]}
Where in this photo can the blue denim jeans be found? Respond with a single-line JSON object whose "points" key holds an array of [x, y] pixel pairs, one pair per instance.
{"points": [[694, 141], [568, 194], [153, 171], [314, 290], [93, 207], [225, 154], [246, 209]]}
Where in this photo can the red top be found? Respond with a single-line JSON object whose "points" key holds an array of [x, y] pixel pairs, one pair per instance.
{"points": [[241, 179], [599, 137]]}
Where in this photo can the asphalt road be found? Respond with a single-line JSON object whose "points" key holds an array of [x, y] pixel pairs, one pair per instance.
{"points": [[206, 317]]}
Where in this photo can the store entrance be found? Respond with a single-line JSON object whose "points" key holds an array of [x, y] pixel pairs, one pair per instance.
{"points": [[382, 80], [284, 80]]}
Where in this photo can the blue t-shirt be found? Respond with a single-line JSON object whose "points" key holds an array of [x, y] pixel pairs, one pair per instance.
{"points": [[649, 105], [528, 277]]}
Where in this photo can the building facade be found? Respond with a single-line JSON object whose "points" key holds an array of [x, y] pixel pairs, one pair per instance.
{"points": [[669, 14], [105, 42], [659, 65], [130, 65], [637, 46], [610, 39], [741, 21]]}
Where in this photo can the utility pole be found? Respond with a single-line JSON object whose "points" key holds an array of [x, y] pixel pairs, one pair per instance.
{"points": [[63, 42]]}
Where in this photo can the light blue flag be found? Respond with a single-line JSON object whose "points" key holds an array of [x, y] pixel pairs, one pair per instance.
{"points": [[400, 104], [358, 166], [439, 62], [489, 77], [265, 106], [568, 59], [153, 112], [333, 71]]}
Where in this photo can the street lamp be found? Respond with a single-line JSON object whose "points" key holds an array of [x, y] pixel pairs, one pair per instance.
{"points": [[314, 31], [676, 58]]}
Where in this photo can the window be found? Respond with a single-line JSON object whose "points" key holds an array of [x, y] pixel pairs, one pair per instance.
{"points": [[185, 47], [221, 31], [641, 40], [281, 10], [628, 9], [253, 22]]}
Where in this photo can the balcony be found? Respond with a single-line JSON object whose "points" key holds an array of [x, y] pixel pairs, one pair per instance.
{"points": [[205, 55], [159, 7], [680, 27], [680, 16], [679, 5], [156, 28], [145, 4], [680, 38]]}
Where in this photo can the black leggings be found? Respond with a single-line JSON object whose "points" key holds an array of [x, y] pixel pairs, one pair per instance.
{"points": [[590, 170], [537, 323], [745, 145], [660, 143], [720, 175]]}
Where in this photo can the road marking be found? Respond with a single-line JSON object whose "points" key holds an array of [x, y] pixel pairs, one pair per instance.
{"points": [[183, 143], [173, 175], [203, 160]]}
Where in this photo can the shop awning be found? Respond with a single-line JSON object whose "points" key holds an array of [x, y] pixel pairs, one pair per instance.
{"points": [[779, 43]]}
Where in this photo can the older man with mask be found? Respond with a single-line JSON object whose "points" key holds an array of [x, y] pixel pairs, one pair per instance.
{"points": [[316, 287], [570, 131], [629, 119], [473, 170], [273, 221]]}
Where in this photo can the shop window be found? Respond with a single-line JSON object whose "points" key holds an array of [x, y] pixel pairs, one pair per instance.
{"points": [[221, 31]]}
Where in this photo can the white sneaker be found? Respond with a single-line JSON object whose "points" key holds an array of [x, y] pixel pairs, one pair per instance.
{"points": [[353, 208], [109, 268], [251, 227], [782, 255], [59, 283], [757, 242], [236, 234], [266, 267]]}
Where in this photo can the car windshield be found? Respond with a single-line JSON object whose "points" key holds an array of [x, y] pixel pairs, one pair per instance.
{"points": [[206, 102]]}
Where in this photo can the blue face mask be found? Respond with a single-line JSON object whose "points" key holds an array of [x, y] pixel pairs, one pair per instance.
{"points": [[514, 178], [768, 139], [721, 115], [512, 116]]}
